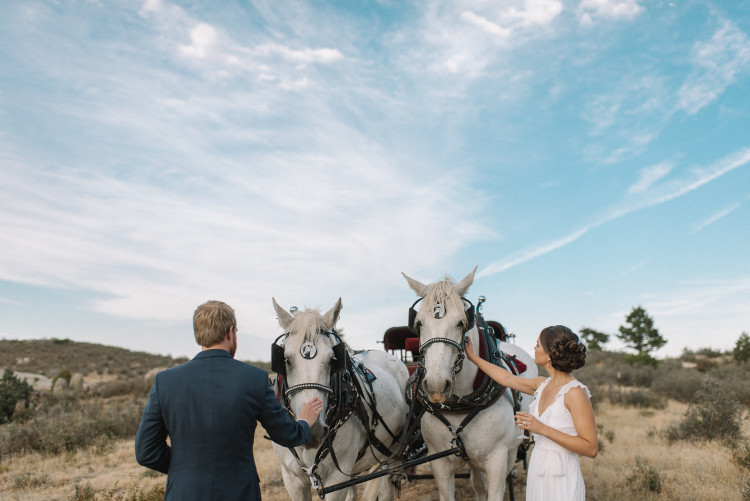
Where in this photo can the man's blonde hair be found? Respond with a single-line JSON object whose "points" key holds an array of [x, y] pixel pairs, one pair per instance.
{"points": [[212, 321]]}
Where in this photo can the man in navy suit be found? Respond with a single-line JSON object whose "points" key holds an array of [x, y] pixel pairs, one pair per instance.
{"points": [[209, 408]]}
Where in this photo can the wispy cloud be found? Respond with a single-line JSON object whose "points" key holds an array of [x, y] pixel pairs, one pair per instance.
{"points": [[718, 63], [589, 11], [634, 200], [649, 176], [714, 217]]}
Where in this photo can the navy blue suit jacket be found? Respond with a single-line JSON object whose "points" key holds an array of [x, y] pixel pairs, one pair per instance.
{"points": [[209, 408]]}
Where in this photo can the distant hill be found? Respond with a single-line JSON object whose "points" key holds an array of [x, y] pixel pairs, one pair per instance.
{"points": [[50, 356]]}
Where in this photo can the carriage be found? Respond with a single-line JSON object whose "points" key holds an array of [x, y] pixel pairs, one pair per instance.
{"points": [[434, 428]]}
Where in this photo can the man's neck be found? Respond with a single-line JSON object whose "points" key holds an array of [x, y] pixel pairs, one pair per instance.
{"points": [[222, 346]]}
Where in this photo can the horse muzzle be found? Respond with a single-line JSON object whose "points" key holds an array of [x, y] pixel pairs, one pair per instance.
{"points": [[438, 390], [318, 433]]}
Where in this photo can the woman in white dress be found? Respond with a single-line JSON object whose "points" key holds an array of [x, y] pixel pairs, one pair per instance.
{"points": [[561, 417]]}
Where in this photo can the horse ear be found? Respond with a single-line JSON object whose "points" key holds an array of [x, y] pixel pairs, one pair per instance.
{"points": [[417, 287], [332, 315], [285, 318], [463, 286]]}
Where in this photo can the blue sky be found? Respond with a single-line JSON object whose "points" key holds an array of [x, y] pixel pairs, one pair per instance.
{"points": [[588, 156]]}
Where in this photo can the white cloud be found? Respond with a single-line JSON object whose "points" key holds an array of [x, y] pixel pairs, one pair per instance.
{"points": [[649, 176], [485, 24], [303, 56], [589, 11], [717, 63], [535, 13], [205, 45]]}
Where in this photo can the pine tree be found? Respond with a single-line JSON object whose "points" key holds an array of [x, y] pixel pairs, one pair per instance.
{"points": [[593, 338], [12, 390], [641, 336], [741, 350]]}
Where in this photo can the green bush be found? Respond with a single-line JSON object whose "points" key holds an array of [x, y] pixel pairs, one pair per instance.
{"points": [[117, 493], [646, 477], [12, 390], [70, 425], [677, 383], [714, 414], [741, 352], [741, 455], [642, 399], [606, 368]]}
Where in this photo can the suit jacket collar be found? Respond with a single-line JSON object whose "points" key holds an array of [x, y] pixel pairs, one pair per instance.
{"points": [[212, 353]]}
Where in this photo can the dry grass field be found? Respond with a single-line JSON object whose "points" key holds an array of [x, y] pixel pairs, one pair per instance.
{"points": [[687, 471], [79, 446]]}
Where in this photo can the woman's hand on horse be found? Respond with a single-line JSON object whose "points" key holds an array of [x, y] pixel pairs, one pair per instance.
{"points": [[469, 347]]}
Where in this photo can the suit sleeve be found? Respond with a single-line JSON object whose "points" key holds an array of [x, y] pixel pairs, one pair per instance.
{"points": [[280, 426], [151, 449]]}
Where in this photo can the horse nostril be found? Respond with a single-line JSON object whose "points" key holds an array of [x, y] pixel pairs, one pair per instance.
{"points": [[447, 386], [325, 430]]}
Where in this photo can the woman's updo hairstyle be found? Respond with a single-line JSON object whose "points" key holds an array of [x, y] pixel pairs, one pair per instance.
{"points": [[566, 352]]}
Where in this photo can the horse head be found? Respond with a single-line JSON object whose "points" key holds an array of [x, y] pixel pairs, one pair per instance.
{"points": [[441, 322], [311, 353]]}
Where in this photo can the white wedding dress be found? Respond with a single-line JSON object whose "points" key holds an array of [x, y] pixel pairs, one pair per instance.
{"points": [[554, 473]]}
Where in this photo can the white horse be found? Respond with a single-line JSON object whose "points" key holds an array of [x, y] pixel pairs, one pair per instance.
{"points": [[491, 439], [313, 362]]}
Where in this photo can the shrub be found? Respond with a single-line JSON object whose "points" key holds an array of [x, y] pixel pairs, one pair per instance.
{"points": [[12, 390], [84, 493], [71, 425], [677, 383], [117, 493], [604, 368], [705, 364], [741, 350], [715, 413], [742, 455], [646, 477], [641, 359], [642, 399]]}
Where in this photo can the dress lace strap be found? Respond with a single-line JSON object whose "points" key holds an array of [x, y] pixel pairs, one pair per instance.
{"points": [[538, 391], [573, 384]]}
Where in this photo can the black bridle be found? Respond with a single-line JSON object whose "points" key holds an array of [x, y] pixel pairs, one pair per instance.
{"points": [[416, 328], [347, 397], [488, 392]]}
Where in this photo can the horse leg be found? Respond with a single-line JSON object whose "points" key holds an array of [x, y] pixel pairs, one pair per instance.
{"points": [[478, 483], [496, 472], [296, 487], [444, 473]]}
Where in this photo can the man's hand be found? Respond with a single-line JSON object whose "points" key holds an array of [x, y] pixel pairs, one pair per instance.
{"points": [[310, 410]]}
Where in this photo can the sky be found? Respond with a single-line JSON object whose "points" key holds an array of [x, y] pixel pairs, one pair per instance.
{"points": [[588, 156]]}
